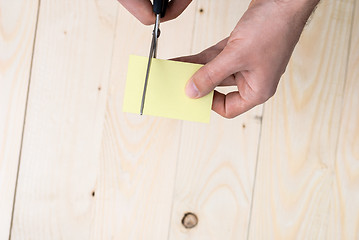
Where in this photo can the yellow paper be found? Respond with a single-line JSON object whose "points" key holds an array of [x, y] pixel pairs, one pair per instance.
{"points": [[165, 95]]}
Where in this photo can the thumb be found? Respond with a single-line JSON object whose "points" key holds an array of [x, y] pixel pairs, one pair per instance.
{"points": [[211, 75], [175, 8]]}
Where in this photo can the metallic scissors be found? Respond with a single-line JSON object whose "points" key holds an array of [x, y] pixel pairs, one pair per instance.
{"points": [[159, 8]]}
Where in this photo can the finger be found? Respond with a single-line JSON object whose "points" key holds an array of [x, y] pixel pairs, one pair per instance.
{"points": [[236, 79], [228, 81], [200, 59], [205, 56], [141, 9], [231, 105], [197, 58], [175, 8], [212, 74]]}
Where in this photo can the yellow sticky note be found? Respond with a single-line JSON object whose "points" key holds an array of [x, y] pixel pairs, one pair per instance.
{"points": [[165, 95]]}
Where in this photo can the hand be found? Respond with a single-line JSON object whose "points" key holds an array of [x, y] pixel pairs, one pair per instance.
{"points": [[253, 58], [142, 9]]}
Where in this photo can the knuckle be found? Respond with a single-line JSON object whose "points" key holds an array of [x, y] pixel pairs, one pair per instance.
{"points": [[265, 94], [231, 115], [265, 90]]}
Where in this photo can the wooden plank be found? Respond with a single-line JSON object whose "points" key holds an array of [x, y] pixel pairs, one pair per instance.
{"points": [[17, 31], [134, 190], [65, 115], [296, 168], [344, 213], [216, 164]]}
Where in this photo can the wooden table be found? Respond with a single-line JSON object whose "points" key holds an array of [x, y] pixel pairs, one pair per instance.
{"points": [[74, 166]]}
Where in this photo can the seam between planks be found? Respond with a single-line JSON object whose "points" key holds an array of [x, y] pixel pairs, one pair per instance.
{"points": [[103, 130], [344, 86], [345, 79], [180, 136], [194, 27], [255, 175], [24, 121], [174, 182], [109, 77]]}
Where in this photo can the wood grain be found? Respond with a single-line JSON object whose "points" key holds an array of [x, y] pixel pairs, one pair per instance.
{"points": [[294, 190], [65, 115], [90, 171], [139, 153], [216, 163], [17, 31], [344, 211]]}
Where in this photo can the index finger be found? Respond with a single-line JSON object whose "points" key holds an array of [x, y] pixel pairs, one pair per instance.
{"points": [[142, 9], [230, 105], [175, 8]]}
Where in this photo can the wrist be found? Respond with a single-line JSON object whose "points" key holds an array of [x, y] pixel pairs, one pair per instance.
{"points": [[301, 9]]}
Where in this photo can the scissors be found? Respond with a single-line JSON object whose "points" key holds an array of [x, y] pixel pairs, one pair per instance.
{"points": [[159, 8]]}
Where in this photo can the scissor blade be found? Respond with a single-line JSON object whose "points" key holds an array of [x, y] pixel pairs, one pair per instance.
{"points": [[153, 53], [147, 74]]}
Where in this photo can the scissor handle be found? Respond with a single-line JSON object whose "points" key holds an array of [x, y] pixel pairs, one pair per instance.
{"points": [[160, 6]]}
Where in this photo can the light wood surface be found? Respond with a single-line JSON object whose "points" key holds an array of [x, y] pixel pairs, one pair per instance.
{"points": [[67, 96], [139, 154], [344, 211], [295, 185], [216, 161], [288, 170], [17, 30]]}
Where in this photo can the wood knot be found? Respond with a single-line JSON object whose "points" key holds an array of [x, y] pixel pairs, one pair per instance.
{"points": [[259, 118], [189, 220]]}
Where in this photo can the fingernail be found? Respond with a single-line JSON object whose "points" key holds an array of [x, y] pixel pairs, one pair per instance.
{"points": [[192, 90]]}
